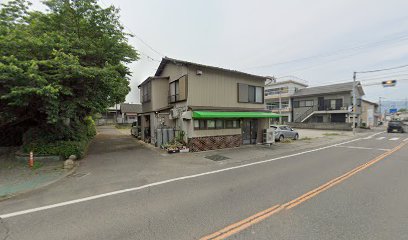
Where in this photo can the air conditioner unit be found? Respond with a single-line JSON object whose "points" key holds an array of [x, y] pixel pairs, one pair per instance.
{"points": [[269, 136], [173, 114], [188, 115]]}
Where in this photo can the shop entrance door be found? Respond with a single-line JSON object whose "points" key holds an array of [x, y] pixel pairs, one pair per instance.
{"points": [[249, 131]]}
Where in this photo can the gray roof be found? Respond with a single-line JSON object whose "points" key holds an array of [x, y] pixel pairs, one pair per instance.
{"points": [[371, 103], [167, 60], [130, 108], [328, 89], [150, 79], [287, 81]]}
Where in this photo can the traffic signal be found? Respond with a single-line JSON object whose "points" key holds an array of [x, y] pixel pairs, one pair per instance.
{"points": [[389, 83]]}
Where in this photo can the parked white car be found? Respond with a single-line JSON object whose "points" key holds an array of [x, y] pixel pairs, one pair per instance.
{"points": [[283, 132], [135, 129]]}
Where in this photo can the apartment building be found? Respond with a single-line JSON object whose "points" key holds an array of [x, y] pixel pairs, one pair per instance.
{"points": [[327, 104], [278, 95]]}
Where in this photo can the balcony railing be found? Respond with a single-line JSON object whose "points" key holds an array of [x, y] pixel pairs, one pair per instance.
{"points": [[273, 108], [331, 107]]}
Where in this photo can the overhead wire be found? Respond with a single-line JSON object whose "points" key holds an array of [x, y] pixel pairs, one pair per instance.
{"points": [[148, 57], [384, 69], [337, 52]]}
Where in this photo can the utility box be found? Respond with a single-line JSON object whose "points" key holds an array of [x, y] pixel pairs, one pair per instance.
{"points": [[164, 135], [269, 136]]}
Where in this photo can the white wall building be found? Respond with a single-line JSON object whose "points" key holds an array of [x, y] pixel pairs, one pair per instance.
{"points": [[277, 97]]}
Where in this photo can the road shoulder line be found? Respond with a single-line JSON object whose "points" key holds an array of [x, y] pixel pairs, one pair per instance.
{"points": [[71, 202]]}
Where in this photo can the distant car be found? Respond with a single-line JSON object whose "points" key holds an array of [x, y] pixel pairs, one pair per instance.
{"points": [[135, 130], [283, 131], [396, 126]]}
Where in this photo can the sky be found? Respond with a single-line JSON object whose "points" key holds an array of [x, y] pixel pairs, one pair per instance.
{"points": [[319, 41]]}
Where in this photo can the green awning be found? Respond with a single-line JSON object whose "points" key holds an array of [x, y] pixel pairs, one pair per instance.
{"points": [[205, 114]]}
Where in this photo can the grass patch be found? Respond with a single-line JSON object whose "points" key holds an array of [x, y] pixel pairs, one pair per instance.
{"points": [[305, 138], [123, 126], [37, 165], [331, 134], [286, 140]]}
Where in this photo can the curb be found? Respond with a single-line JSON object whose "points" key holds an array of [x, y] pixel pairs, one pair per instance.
{"points": [[70, 172]]}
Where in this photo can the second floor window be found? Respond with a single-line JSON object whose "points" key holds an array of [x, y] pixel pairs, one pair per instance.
{"points": [[174, 91], [250, 94], [146, 90], [304, 103]]}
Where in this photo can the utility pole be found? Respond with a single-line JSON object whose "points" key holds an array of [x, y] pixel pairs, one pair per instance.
{"points": [[354, 103], [385, 83], [379, 103], [280, 107]]}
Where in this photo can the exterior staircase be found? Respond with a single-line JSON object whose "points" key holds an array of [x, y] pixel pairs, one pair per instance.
{"points": [[307, 114]]}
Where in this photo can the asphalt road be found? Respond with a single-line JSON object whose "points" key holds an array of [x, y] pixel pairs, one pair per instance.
{"points": [[368, 204]]}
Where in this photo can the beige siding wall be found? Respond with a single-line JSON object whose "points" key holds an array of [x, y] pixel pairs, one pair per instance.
{"points": [[175, 72], [218, 89], [160, 92], [147, 106], [215, 132]]}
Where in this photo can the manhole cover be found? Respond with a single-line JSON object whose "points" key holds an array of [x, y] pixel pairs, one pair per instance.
{"points": [[216, 157]]}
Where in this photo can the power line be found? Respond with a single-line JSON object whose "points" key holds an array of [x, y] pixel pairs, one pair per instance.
{"points": [[362, 81], [337, 52], [326, 62], [139, 38], [384, 69], [393, 73], [383, 77]]}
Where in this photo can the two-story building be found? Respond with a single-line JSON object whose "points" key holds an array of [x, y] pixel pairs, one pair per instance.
{"points": [[278, 95], [370, 114], [327, 104], [212, 107]]}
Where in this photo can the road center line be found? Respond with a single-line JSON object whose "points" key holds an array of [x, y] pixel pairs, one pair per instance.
{"points": [[242, 225], [61, 204], [365, 148]]}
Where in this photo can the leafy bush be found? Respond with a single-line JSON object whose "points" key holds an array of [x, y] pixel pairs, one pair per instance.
{"points": [[61, 139], [61, 148], [90, 127]]}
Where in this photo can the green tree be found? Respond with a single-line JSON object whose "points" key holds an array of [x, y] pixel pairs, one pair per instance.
{"points": [[402, 110], [59, 65]]}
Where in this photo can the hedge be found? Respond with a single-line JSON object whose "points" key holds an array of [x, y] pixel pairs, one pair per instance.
{"points": [[61, 148], [45, 142]]}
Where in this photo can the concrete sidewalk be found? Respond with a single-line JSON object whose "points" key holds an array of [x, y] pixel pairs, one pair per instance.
{"points": [[315, 133], [17, 177]]}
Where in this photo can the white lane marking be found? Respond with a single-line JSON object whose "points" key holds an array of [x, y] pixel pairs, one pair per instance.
{"points": [[394, 139], [406, 139], [380, 138], [375, 134], [366, 148], [61, 204]]}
